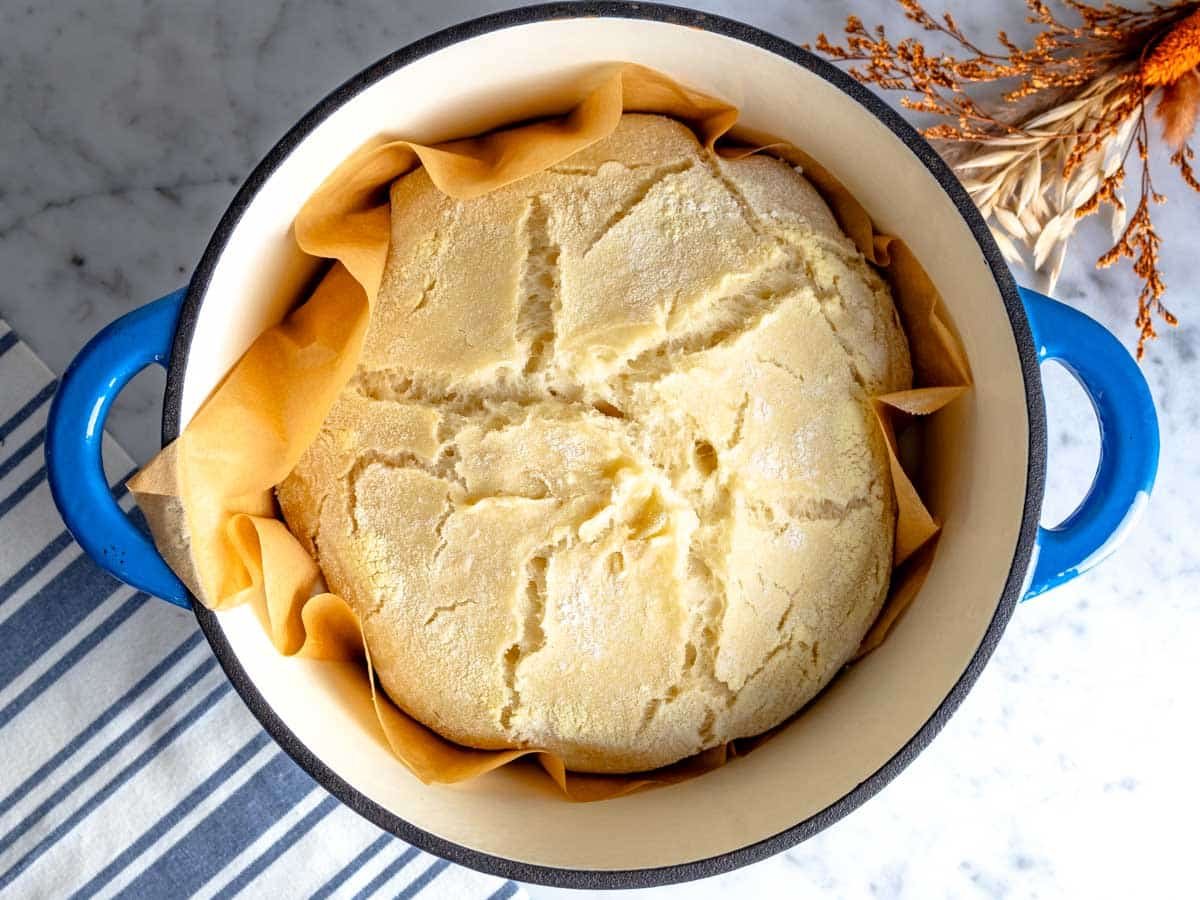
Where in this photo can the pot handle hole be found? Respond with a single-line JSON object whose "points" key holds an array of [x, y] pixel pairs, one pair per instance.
{"points": [[1128, 462], [74, 433]]}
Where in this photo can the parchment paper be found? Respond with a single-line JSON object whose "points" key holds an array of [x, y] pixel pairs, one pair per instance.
{"points": [[208, 495]]}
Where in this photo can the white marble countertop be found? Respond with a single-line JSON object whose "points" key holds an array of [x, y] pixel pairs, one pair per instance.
{"points": [[1070, 768]]}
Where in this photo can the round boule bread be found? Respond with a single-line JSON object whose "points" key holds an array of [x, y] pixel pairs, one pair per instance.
{"points": [[607, 480]]}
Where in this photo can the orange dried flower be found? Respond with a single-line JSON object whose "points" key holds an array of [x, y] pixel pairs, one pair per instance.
{"points": [[1179, 107], [1176, 54]]}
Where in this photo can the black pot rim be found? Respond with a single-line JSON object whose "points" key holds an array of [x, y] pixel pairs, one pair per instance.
{"points": [[1035, 482]]}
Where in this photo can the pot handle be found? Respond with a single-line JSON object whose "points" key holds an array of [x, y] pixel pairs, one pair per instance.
{"points": [[74, 432], [1128, 440]]}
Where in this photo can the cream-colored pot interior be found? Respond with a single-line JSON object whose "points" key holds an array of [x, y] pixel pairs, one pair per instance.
{"points": [[981, 446]]}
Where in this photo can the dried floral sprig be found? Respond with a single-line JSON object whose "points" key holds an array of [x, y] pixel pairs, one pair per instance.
{"points": [[1054, 147]]}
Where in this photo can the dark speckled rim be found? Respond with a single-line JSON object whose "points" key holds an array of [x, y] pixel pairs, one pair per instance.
{"points": [[635, 878]]}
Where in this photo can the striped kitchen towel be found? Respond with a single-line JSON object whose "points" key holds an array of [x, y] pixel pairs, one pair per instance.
{"points": [[128, 765]]}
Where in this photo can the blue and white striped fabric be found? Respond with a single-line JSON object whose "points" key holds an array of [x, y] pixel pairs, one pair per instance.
{"points": [[129, 765]]}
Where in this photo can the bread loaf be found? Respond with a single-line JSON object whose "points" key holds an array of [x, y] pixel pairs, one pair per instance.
{"points": [[607, 480]]}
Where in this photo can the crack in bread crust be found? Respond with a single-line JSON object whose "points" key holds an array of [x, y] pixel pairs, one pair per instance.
{"points": [[532, 636], [541, 286], [641, 190]]}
